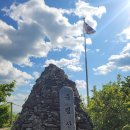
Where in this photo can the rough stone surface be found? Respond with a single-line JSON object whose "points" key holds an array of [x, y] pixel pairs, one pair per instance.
{"points": [[41, 111]]}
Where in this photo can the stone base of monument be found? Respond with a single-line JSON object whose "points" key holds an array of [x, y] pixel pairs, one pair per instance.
{"points": [[41, 110]]}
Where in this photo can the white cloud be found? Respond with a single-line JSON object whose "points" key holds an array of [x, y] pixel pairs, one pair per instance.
{"points": [[125, 68], [74, 68], [104, 69], [121, 56], [80, 84], [9, 73], [36, 74], [126, 49], [126, 33], [97, 50], [4, 39], [120, 61], [124, 36], [83, 7], [25, 42], [35, 21], [75, 54], [70, 64]]}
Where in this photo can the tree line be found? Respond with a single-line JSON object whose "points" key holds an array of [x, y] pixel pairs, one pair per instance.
{"points": [[109, 108]]}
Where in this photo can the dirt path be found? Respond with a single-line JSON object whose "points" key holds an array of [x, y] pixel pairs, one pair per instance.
{"points": [[4, 128]]}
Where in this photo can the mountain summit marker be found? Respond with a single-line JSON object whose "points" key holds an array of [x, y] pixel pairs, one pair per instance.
{"points": [[41, 111], [67, 109]]}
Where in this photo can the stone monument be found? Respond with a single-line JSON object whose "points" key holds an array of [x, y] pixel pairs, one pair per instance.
{"points": [[41, 111], [67, 109]]}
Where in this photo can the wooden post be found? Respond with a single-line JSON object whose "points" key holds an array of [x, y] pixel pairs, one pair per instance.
{"points": [[11, 113]]}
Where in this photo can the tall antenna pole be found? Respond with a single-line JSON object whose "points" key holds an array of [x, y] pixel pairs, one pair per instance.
{"points": [[86, 64]]}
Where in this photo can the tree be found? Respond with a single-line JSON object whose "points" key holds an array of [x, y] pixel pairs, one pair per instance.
{"points": [[109, 107], [5, 90]]}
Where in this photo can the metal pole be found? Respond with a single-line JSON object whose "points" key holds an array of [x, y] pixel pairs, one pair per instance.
{"points": [[86, 66]]}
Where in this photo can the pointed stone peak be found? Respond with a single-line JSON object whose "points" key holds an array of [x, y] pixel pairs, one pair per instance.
{"points": [[41, 111], [53, 71], [53, 68]]}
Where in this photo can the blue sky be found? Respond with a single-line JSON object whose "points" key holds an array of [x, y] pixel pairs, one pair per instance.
{"points": [[35, 33]]}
